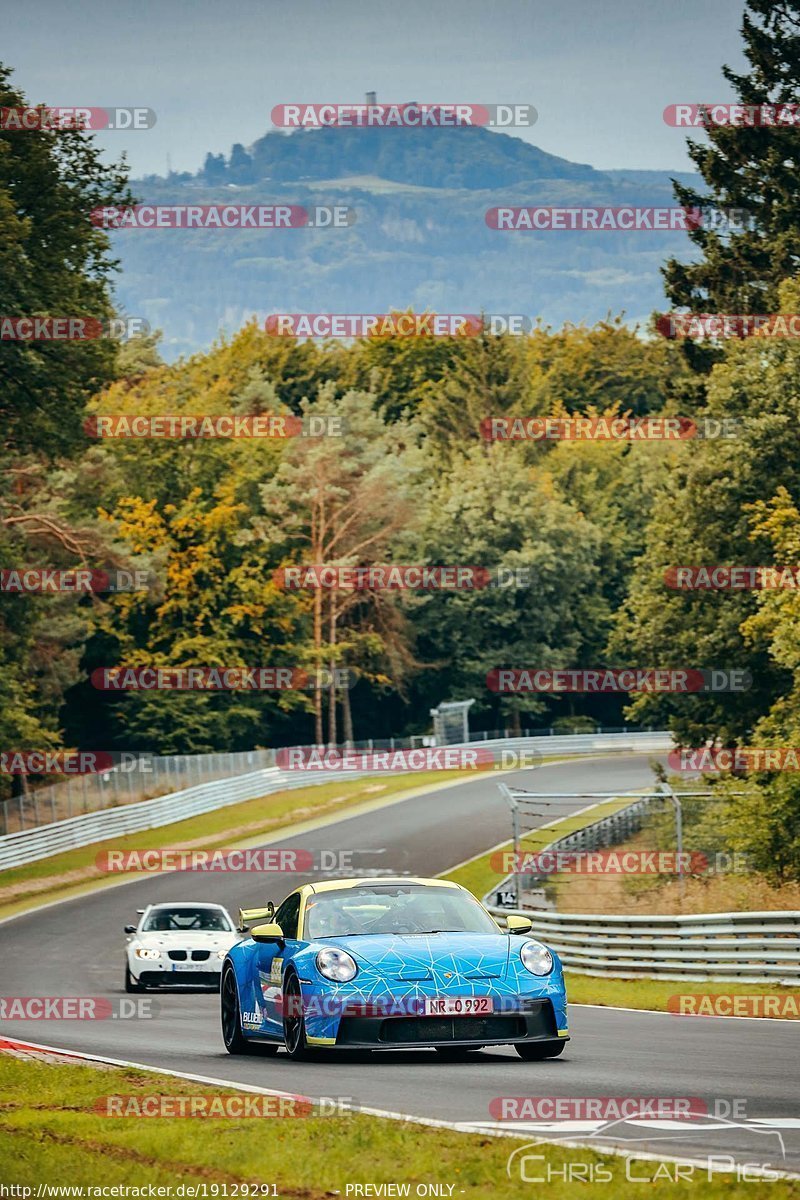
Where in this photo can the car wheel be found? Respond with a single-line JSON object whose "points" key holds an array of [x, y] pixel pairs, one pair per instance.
{"points": [[456, 1053], [130, 986], [537, 1051], [294, 1025], [232, 1036]]}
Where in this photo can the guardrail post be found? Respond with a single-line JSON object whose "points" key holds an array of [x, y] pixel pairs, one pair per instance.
{"points": [[667, 791], [509, 795]]}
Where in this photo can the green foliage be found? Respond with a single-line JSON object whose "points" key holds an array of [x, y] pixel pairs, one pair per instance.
{"points": [[606, 366], [489, 509], [53, 262], [750, 168], [702, 515]]}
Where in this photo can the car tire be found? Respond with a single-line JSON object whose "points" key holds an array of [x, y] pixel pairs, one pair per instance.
{"points": [[538, 1051], [232, 1036], [130, 985], [294, 1025], [456, 1053]]}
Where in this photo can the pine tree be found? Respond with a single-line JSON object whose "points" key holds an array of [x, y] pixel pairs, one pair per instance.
{"points": [[753, 168], [53, 261]]}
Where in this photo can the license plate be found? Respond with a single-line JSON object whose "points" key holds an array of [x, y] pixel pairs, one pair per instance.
{"points": [[187, 966], [458, 1006]]}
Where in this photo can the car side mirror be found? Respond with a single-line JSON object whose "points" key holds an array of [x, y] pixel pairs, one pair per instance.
{"points": [[519, 924], [267, 933], [130, 929]]}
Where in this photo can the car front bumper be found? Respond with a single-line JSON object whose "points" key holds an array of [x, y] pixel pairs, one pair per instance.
{"points": [[166, 972], [351, 1016], [535, 1022]]}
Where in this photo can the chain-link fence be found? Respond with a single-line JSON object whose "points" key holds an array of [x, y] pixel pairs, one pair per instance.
{"points": [[135, 777], [144, 776]]}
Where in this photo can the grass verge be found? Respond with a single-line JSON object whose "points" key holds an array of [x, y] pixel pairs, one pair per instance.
{"points": [[731, 888], [47, 1139], [654, 994]]}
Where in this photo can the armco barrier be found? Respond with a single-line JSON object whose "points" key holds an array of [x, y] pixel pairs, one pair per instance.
{"points": [[30, 845], [754, 947], [759, 947]]}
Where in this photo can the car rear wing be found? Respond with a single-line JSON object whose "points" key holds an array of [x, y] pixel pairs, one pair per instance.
{"points": [[248, 915]]}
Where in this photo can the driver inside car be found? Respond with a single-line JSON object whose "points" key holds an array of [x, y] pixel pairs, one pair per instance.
{"points": [[326, 919]]}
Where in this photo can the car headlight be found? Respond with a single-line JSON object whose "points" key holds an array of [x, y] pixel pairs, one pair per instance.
{"points": [[146, 952], [221, 953], [336, 964], [536, 958]]}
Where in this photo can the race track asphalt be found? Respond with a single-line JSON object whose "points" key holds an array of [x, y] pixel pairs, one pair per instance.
{"points": [[76, 948]]}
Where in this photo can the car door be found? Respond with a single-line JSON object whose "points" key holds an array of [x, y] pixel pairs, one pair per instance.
{"points": [[270, 959]]}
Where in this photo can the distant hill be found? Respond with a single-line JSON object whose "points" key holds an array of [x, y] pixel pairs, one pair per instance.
{"points": [[420, 237]]}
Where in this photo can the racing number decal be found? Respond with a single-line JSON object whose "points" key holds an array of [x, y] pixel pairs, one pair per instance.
{"points": [[276, 970]]}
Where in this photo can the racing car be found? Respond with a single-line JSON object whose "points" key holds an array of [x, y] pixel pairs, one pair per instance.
{"points": [[178, 945], [388, 963]]}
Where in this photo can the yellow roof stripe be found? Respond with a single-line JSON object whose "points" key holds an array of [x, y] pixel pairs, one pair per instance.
{"points": [[332, 885]]}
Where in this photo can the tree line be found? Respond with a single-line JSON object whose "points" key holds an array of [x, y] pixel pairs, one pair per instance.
{"points": [[584, 530]]}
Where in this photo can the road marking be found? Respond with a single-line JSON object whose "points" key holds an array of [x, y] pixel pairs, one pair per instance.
{"points": [[489, 1130], [694, 1125]]}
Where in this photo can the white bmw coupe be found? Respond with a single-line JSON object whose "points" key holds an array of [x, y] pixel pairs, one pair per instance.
{"points": [[178, 945]]}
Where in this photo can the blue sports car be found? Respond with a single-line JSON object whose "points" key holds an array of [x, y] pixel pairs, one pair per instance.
{"points": [[383, 964]]}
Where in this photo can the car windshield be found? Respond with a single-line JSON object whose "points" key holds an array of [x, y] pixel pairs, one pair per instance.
{"points": [[185, 919], [400, 909]]}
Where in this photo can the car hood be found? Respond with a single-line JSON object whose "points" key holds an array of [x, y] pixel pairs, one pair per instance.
{"points": [[190, 940], [426, 956]]}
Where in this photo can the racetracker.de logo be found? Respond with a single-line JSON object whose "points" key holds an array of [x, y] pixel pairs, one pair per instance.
{"points": [[726, 1004], [208, 425], [608, 429], [732, 579], [262, 860], [578, 429], [395, 324], [56, 762], [381, 578], [70, 329], [223, 216], [626, 679], [728, 325], [601, 862], [64, 118], [408, 115], [619, 219], [71, 580], [218, 679], [596, 1108], [422, 758], [206, 1107], [369, 325], [736, 758], [75, 1008], [753, 116]]}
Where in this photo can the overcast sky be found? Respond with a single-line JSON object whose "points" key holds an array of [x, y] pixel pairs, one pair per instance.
{"points": [[599, 73]]}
